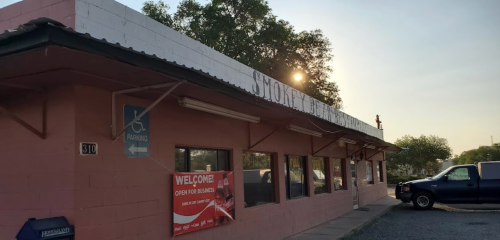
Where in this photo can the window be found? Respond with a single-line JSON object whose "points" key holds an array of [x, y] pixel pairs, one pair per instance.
{"points": [[338, 174], [459, 174], [200, 160], [258, 184], [320, 176], [369, 172], [295, 178], [380, 174]]}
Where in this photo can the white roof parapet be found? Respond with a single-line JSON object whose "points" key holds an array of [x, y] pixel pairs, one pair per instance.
{"points": [[113, 21]]}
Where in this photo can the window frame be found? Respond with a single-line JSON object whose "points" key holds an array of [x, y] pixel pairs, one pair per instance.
{"points": [[187, 153], [327, 173], [343, 174], [274, 179], [454, 170], [380, 171], [366, 170], [305, 184]]}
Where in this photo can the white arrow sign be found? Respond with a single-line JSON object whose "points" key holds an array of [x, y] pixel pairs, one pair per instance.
{"points": [[133, 149]]}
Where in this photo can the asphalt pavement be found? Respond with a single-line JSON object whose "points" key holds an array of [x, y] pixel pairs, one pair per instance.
{"points": [[341, 226], [451, 221]]}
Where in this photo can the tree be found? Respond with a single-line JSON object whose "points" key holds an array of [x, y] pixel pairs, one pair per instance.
{"points": [[256, 161], [455, 160], [481, 154], [247, 31], [158, 11], [420, 153]]}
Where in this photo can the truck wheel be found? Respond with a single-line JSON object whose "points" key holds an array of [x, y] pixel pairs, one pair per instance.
{"points": [[422, 200]]}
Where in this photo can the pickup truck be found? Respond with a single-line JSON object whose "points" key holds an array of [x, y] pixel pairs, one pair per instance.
{"points": [[457, 184]]}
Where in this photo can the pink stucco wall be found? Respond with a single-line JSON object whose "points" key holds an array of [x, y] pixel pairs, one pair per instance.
{"points": [[119, 197], [22, 12], [369, 193], [37, 176], [109, 196]]}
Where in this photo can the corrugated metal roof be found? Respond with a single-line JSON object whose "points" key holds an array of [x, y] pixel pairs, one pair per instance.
{"points": [[41, 22]]}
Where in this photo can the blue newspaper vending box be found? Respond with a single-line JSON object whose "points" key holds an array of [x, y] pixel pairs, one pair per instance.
{"points": [[56, 228]]}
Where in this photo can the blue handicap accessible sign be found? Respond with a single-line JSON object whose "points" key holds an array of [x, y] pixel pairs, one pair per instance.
{"points": [[136, 136]]}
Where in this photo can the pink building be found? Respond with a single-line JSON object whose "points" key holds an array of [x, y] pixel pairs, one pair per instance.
{"points": [[78, 71]]}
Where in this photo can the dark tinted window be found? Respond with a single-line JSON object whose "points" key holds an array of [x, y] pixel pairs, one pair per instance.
{"points": [[201, 160], [338, 174], [320, 176], [180, 160], [257, 178], [296, 179], [379, 172], [369, 172]]}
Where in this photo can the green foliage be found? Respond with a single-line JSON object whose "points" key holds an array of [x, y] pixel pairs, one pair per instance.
{"points": [[158, 11], [393, 179], [481, 154], [247, 31], [256, 161], [422, 153]]}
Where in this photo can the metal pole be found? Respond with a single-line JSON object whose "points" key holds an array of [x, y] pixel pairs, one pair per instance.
{"points": [[147, 109], [268, 135], [21, 122], [378, 151], [330, 143]]}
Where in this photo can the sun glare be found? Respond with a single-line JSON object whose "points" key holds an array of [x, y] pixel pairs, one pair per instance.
{"points": [[297, 77]]}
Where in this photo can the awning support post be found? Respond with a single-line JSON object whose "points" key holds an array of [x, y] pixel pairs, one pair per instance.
{"points": [[268, 135], [379, 151], [115, 135], [43, 133]]}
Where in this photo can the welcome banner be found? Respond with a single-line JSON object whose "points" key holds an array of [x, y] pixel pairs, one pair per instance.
{"points": [[202, 200]]}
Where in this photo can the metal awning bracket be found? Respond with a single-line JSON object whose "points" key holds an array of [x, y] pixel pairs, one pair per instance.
{"points": [[114, 134], [378, 151], [328, 144], [268, 135], [359, 150], [41, 134]]}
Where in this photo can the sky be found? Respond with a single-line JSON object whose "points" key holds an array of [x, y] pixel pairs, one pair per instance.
{"points": [[426, 67]]}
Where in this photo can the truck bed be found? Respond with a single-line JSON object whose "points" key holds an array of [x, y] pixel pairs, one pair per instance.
{"points": [[489, 170], [489, 190]]}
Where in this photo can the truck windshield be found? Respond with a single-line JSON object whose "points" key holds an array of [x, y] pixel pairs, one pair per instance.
{"points": [[441, 174]]}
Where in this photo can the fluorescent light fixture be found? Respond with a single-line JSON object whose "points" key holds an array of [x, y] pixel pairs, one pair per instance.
{"points": [[210, 108], [303, 130], [347, 140]]}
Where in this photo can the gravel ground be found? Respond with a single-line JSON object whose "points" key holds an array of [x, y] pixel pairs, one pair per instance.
{"points": [[442, 222]]}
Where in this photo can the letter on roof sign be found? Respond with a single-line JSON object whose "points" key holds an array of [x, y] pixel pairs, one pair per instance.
{"points": [[255, 88], [277, 94]]}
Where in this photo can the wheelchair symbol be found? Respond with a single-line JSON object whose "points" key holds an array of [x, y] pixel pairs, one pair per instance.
{"points": [[137, 124]]}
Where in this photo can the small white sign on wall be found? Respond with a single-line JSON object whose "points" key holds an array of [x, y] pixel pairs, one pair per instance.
{"points": [[88, 149]]}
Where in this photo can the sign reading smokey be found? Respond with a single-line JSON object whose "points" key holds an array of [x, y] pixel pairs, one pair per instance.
{"points": [[278, 92], [202, 200]]}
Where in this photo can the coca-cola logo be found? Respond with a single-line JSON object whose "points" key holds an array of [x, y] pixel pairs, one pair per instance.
{"points": [[229, 204], [224, 206]]}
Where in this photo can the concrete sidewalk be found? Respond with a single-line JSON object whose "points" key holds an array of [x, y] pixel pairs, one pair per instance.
{"points": [[340, 227]]}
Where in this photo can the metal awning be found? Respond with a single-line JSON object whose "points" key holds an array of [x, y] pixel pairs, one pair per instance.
{"points": [[44, 38]]}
